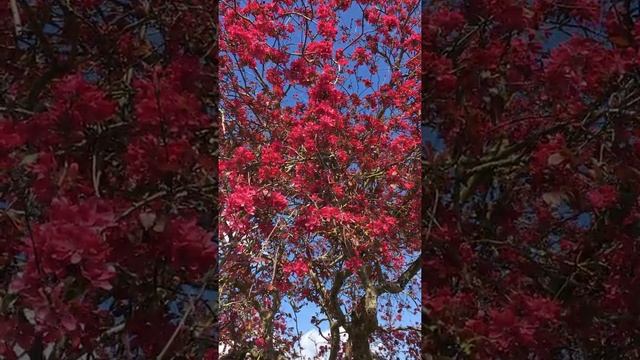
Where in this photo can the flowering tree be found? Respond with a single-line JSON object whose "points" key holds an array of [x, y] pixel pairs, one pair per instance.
{"points": [[319, 174], [107, 179], [531, 179]]}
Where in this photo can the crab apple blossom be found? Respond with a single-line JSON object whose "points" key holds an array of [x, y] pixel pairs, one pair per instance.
{"points": [[108, 179], [530, 182], [319, 177]]}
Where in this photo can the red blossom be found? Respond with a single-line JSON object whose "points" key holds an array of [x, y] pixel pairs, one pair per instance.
{"points": [[603, 197], [529, 201], [298, 267], [107, 178]]}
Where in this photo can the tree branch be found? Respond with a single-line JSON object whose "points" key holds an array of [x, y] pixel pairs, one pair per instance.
{"points": [[399, 285]]}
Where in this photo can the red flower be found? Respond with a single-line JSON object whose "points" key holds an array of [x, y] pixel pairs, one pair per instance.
{"points": [[211, 354], [327, 28], [81, 103], [73, 237], [192, 247], [260, 342], [353, 264], [298, 267], [603, 197]]}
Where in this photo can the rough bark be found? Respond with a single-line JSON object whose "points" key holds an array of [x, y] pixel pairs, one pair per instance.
{"points": [[364, 322], [335, 340]]}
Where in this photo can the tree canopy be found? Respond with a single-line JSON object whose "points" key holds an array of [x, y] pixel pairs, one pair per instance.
{"points": [[319, 174], [530, 180]]}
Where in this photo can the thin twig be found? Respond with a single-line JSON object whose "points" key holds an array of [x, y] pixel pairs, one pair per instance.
{"points": [[95, 175], [17, 23], [18, 110], [139, 204], [192, 304]]}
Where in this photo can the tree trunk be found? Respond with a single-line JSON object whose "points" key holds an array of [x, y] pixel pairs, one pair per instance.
{"points": [[364, 321], [335, 341], [359, 348]]}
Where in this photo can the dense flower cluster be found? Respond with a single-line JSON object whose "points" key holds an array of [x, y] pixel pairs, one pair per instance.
{"points": [[319, 172], [107, 179], [530, 183]]}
